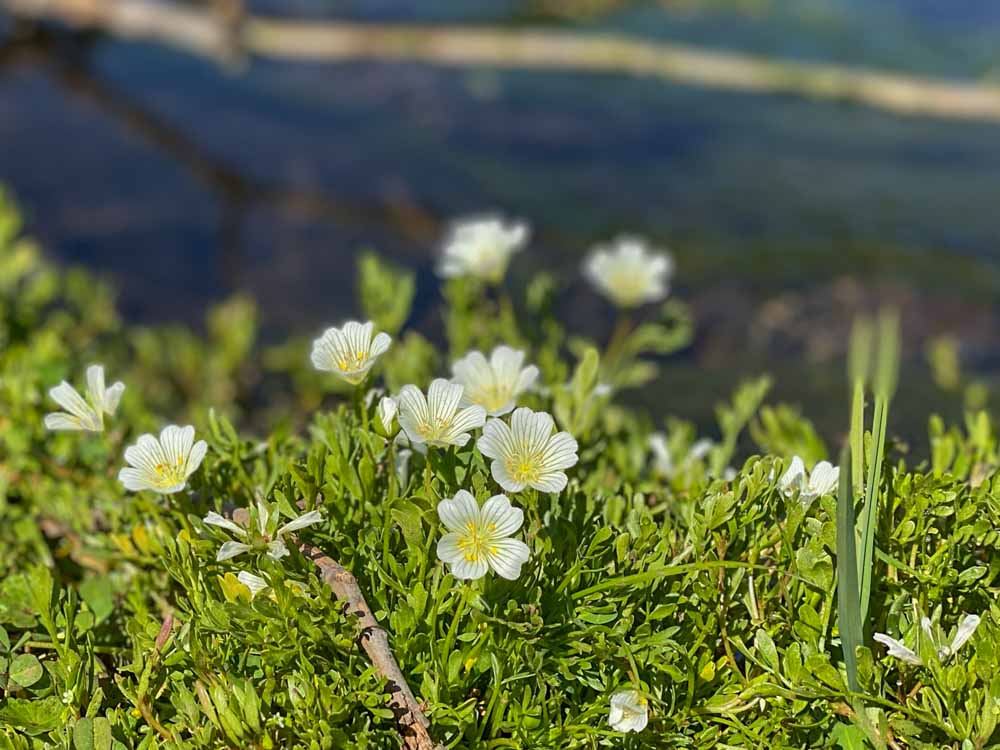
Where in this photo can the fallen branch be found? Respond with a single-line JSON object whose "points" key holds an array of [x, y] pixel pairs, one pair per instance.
{"points": [[374, 640], [211, 32]]}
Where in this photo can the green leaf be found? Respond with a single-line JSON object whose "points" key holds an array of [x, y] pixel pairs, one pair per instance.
{"points": [[848, 598], [92, 734], [26, 670], [33, 717], [98, 595]]}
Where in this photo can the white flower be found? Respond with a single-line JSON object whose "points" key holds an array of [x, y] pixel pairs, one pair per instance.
{"points": [[162, 465], [481, 248], [83, 414], [629, 711], [437, 419], [822, 481], [628, 273], [268, 537], [255, 583], [350, 351], [477, 538], [963, 633], [494, 384], [387, 409], [526, 453]]}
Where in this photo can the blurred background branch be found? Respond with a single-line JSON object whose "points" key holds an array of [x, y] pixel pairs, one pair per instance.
{"points": [[223, 31]]}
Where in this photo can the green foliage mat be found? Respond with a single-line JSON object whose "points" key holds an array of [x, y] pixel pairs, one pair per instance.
{"points": [[706, 589]]}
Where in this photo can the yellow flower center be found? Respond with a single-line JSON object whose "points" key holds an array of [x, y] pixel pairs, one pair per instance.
{"points": [[476, 541], [627, 287], [523, 468], [168, 475], [348, 362], [492, 397], [434, 429]]}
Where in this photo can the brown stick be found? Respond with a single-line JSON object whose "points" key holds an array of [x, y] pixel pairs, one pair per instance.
{"points": [[374, 640]]}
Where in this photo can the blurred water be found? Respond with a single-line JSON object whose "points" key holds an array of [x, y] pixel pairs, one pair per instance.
{"points": [[185, 183]]}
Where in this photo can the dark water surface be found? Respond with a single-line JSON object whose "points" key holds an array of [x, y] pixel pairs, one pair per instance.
{"points": [[185, 183]]}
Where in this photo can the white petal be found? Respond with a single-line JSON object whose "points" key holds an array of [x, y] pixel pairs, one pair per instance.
{"points": [[794, 478], [134, 480], [495, 439], [552, 482], [412, 405], [500, 517], [277, 549], [146, 454], [196, 456], [897, 649], [379, 345], [560, 452], [468, 419], [965, 630], [458, 512], [448, 550], [214, 519], [67, 397], [255, 583], [507, 556], [176, 442], [824, 479], [95, 385], [499, 471], [60, 420], [306, 519], [112, 396], [469, 569], [230, 550], [443, 399]]}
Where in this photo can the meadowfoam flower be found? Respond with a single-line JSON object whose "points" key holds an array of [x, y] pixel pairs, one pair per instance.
{"points": [[478, 539], [266, 535], [629, 273], [162, 465], [350, 351], [84, 414], [481, 248], [629, 711], [494, 384], [526, 453], [944, 650], [437, 419], [822, 481]]}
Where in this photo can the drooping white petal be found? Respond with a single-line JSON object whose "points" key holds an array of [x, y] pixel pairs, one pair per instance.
{"points": [[230, 550], [59, 420], [964, 632], [95, 385], [306, 519], [277, 549], [67, 397], [112, 397], [214, 519], [897, 649], [255, 583]]}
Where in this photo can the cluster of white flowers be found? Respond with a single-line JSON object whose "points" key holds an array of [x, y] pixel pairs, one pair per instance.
{"points": [[628, 271]]}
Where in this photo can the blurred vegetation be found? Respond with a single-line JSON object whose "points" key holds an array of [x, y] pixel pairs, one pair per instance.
{"points": [[703, 586]]}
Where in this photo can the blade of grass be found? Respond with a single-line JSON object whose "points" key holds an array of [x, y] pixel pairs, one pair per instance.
{"points": [[848, 601], [869, 515], [858, 436]]}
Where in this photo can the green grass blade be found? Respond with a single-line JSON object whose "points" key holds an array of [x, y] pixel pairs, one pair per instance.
{"points": [[869, 517], [858, 436], [848, 600]]}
